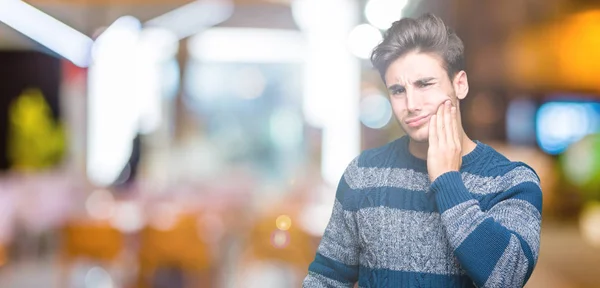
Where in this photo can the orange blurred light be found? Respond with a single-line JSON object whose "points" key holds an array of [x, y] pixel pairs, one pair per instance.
{"points": [[561, 55]]}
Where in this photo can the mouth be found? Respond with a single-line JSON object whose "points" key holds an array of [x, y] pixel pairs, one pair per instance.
{"points": [[417, 121]]}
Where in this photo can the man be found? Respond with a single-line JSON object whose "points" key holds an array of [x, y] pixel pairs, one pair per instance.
{"points": [[433, 208]]}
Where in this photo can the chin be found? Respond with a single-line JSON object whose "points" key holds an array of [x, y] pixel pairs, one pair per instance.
{"points": [[420, 135]]}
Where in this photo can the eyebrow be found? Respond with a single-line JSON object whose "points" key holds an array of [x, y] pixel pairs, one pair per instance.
{"points": [[423, 80], [417, 82]]}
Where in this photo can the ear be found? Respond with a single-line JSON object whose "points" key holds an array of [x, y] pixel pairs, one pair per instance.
{"points": [[461, 85]]}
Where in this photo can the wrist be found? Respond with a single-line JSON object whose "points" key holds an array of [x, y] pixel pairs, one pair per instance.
{"points": [[436, 175], [450, 190]]}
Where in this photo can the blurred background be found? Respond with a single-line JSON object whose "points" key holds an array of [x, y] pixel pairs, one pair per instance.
{"points": [[178, 143]]}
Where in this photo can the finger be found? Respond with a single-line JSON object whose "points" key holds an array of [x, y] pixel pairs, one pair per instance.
{"points": [[448, 129], [432, 129], [455, 128], [441, 136]]}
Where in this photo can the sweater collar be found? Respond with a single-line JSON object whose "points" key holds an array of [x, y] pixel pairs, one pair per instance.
{"points": [[421, 164]]}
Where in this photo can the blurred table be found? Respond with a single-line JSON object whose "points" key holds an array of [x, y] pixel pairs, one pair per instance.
{"points": [[566, 260]]}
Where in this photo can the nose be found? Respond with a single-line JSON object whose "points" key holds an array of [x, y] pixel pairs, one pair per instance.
{"points": [[413, 104]]}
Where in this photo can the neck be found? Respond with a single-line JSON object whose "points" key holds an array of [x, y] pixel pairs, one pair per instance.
{"points": [[419, 149]]}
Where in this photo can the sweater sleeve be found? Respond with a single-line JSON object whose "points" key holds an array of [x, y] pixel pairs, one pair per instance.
{"points": [[336, 262], [498, 247]]}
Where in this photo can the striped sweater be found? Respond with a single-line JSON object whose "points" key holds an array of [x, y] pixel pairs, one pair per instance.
{"points": [[391, 227]]}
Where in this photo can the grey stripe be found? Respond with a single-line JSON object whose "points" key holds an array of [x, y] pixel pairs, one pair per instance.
{"points": [[404, 240], [521, 217], [461, 220], [340, 240], [374, 177], [315, 280], [511, 268], [489, 185]]}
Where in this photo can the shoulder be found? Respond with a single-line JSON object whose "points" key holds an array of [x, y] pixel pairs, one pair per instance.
{"points": [[381, 156], [365, 167], [512, 179], [493, 164]]}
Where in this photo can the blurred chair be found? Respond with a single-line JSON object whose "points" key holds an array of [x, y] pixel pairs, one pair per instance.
{"points": [[176, 254], [91, 239], [95, 241], [3, 255], [277, 246]]}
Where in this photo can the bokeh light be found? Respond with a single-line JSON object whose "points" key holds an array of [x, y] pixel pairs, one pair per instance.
{"points": [[382, 13], [581, 165], [283, 222], [164, 217], [280, 239], [100, 204], [363, 39], [98, 278], [589, 224], [375, 111], [128, 217], [561, 123]]}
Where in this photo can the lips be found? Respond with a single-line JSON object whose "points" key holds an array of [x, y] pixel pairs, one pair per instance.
{"points": [[417, 121]]}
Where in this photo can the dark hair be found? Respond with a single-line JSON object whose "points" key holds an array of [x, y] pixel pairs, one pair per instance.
{"points": [[427, 34]]}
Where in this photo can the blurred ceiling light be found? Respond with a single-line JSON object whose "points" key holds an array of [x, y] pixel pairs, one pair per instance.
{"points": [[123, 32], [375, 111], [382, 13], [46, 30], [247, 45], [194, 17], [362, 39], [325, 103], [158, 43], [113, 101]]}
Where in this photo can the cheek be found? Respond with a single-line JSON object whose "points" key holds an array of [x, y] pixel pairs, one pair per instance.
{"points": [[436, 98], [398, 107]]}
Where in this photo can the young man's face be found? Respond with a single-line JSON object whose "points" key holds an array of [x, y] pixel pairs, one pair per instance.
{"points": [[417, 85]]}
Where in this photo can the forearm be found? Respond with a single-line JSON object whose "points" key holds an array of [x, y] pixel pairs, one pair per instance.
{"points": [[336, 262], [497, 248]]}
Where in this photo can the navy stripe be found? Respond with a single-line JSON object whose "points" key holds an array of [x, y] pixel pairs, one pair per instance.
{"points": [[480, 251], [531, 193], [342, 190], [406, 199], [392, 197], [391, 278], [527, 191], [334, 270]]}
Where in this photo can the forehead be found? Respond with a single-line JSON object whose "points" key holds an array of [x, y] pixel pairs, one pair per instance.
{"points": [[413, 66]]}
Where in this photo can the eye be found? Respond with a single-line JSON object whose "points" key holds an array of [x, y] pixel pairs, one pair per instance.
{"points": [[398, 91], [423, 85]]}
